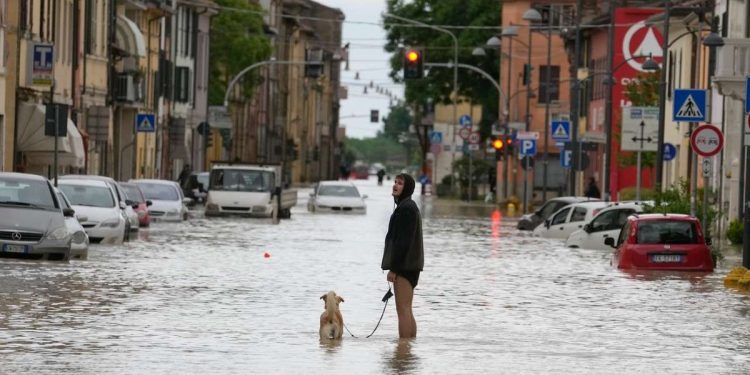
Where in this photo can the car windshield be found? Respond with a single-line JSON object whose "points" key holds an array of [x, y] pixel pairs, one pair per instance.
{"points": [[85, 195], [550, 207], [132, 193], [241, 180], [25, 192], [203, 179], [159, 192], [338, 191], [666, 232]]}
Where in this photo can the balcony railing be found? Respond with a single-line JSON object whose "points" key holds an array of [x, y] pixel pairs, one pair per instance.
{"points": [[732, 66]]}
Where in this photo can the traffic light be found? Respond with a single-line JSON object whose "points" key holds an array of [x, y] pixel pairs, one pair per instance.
{"points": [[526, 74], [498, 143], [209, 139], [509, 144], [413, 68]]}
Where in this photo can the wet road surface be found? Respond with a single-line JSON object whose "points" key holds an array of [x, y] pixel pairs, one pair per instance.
{"points": [[200, 297]]}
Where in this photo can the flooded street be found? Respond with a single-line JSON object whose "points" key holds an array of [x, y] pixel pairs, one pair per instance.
{"points": [[200, 297]]}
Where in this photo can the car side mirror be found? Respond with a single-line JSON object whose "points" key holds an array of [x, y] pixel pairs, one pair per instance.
{"points": [[364, 196], [610, 241], [546, 223], [68, 212], [148, 203], [130, 203], [122, 205], [187, 201], [587, 228]]}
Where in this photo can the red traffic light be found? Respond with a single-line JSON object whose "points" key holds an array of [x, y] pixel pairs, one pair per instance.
{"points": [[498, 144], [412, 56]]}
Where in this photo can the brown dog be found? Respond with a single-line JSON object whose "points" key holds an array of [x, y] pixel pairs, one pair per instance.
{"points": [[331, 321]]}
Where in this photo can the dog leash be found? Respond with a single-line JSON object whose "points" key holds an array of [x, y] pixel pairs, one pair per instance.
{"points": [[385, 299]]}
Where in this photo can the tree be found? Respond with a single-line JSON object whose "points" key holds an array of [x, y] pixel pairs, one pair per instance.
{"points": [[438, 47], [396, 123], [237, 41]]}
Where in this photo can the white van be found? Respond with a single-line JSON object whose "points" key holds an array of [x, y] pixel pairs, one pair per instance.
{"points": [[247, 190]]}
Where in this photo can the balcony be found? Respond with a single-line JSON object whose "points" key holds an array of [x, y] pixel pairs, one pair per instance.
{"points": [[128, 88], [732, 66]]}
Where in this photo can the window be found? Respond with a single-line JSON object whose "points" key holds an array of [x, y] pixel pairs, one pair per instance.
{"points": [[90, 26], [182, 84], [604, 221], [624, 232], [666, 232], [560, 217], [579, 214], [554, 83]]}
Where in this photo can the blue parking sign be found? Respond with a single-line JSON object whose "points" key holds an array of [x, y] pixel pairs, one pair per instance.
{"points": [[566, 158], [528, 147]]}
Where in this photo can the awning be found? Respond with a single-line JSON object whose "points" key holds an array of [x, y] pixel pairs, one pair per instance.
{"points": [[39, 148], [129, 38]]}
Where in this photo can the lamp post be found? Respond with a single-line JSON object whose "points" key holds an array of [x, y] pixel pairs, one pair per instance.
{"points": [[508, 32], [531, 16], [455, 83]]}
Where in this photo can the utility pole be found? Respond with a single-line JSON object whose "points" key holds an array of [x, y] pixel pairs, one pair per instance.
{"points": [[574, 99], [638, 168]]}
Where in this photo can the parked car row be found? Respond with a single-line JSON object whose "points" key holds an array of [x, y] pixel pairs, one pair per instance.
{"points": [[640, 241], [41, 221]]}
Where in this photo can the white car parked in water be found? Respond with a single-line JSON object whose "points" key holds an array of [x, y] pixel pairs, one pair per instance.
{"points": [[98, 202], [607, 223], [568, 219], [167, 201], [336, 196], [79, 246]]}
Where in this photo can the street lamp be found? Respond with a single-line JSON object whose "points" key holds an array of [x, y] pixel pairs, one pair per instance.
{"points": [[508, 32], [531, 16]]}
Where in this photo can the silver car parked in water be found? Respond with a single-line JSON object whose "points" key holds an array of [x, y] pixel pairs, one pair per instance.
{"points": [[32, 220]]}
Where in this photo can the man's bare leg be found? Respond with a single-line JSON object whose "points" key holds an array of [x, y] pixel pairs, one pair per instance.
{"points": [[404, 293]]}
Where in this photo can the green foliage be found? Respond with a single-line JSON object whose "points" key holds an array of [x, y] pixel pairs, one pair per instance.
{"points": [[237, 41], [676, 200], [736, 231], [643, 91], [397, 122], [628, 194], [438, 47], [380, 149], [479, 169]]}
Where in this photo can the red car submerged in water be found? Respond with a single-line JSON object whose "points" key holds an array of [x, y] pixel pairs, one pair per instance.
{"points": [[138, 201], [672, 242]]}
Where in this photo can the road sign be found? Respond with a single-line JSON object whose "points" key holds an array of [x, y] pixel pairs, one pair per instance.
{"points": [[474, 138], [670, 152], [631, 129], [436, 137], [528, 147], [747, 92], [566, 157], [145, 123], [527, 135], [689, 105], [707, 140], [436, 148], [42, 63], [561, 130], [464, 120], [56, 114], [374, 115], [707, 167], [464, 133]]}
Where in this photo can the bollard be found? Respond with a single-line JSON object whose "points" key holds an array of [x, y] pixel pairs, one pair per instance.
{"points": [[746, 237]]}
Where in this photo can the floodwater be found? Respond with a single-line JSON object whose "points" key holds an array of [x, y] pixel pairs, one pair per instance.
{"points": [[201, 298]]}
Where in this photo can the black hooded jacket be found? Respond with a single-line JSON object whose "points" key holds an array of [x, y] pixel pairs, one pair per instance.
{"points": [[403, 243]]}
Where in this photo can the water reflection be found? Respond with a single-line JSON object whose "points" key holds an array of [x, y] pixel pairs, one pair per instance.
{"points": [[402, 361]]}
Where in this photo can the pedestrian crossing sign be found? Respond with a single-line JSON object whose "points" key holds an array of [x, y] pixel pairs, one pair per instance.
{"points": [[145, 123], [689, 105], [561, 130]]}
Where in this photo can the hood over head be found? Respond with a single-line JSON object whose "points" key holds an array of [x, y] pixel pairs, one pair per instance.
{"points": [[409, 185]]}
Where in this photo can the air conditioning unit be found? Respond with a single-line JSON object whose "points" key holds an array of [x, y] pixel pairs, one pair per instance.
{"points": [[125, 90]]}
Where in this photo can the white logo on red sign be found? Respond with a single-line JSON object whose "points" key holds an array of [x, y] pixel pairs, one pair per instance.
{"points": [[707, 140], [642, 40]]}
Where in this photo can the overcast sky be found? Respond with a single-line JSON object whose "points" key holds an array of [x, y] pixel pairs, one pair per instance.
{"points": [[366, 56]]}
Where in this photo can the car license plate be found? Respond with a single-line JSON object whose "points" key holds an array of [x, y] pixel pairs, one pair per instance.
{"points": [[666, 258], [10, 248]]}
